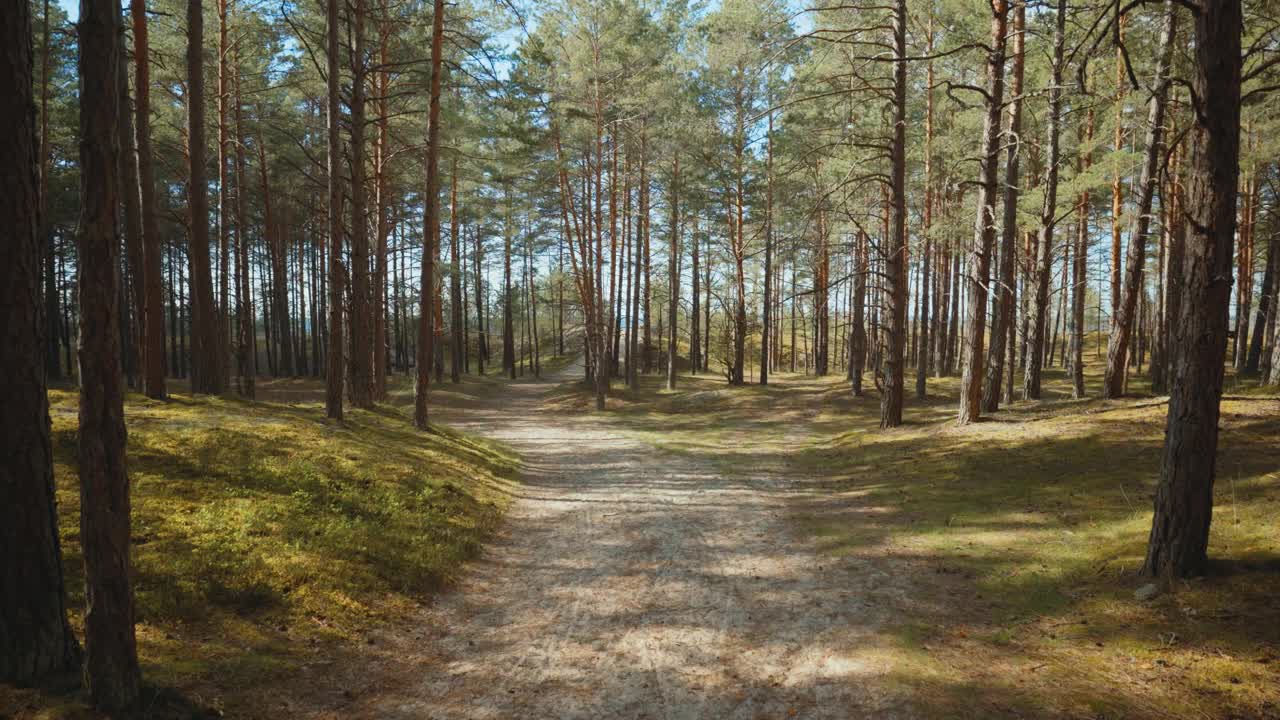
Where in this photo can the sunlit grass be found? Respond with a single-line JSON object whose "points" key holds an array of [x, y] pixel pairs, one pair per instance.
{"points": [[1019, 537], [261, 529]]}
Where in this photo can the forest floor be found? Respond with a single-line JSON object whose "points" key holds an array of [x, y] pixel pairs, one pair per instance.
{"points": [[767, 552]]}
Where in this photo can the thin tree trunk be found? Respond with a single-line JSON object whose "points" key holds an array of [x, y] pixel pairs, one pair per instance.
{"points": [[1002, 302], [985, 225], [431, 219], [360, 354], [673, 261], [1123, 321], [1038, 338], [334, 364]]}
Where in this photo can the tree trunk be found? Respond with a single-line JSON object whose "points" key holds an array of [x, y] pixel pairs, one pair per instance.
{"points": [[985, 225], [360, 354], [1117, 186], [455, 277], [37, 639], [431, 220], [111, 659], [1266, 302], [206, 368], [1002, 302], [695, 322], [858, 343], [224, 199], [248, 362], [1039, 336], [1184, 497], [924, 352], [1123, 321], [508, 316], [152, 274], [673, 260], [896, 256], [135, 310], [334, 370]]}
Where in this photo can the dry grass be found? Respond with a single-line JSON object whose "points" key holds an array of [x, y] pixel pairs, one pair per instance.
{"points": [[1022, 536]]}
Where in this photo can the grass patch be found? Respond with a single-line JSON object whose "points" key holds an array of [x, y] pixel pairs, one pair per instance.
{"points": [[262, 532], [1018, 538]]}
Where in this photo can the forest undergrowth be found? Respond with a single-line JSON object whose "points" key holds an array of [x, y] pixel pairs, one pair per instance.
{"points": [[268, 541], [1021, 536]]}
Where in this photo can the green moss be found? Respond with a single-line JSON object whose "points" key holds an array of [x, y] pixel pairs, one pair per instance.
{"points": [[261, 528]]}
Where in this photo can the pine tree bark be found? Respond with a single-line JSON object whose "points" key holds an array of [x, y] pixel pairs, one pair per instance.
{"points": [[153, 359], [245, 333], [206, 366], [673, 260], [455, 277], [1003, 299], [1122, 323], [360, 351], [924, 354], [334, 365], [1038, 339], [894, 327], [132, 226], [858, 343], [382, 220], [35, 637], [111, 660], [431, 221], [985, 225], [1184, 497], [1266, 302]]}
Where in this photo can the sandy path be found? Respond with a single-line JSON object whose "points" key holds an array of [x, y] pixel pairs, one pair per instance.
{"points": [[630, 582]]}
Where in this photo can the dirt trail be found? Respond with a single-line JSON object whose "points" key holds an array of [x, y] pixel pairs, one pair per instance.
{"points": [[631, 582]]}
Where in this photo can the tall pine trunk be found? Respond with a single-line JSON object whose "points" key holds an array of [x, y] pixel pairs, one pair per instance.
{"points": [[431, 221], [360, 353], [37, 640], [1002, 303], [985, 223], [1184, 497], [111, 660], [1122, 323], [206, 368], [334, 365], [894, 327], [1038, 338]]}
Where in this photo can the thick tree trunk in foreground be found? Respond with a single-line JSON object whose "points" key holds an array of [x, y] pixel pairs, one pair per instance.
{"points": [[431, 222], [334, 366], [1184, 497], [35, 638], [1122, 323], [206, 354], [985, 224], [111, 664]]}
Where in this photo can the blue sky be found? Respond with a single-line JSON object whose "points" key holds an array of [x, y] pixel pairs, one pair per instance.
{"points": [[72, 7]]}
